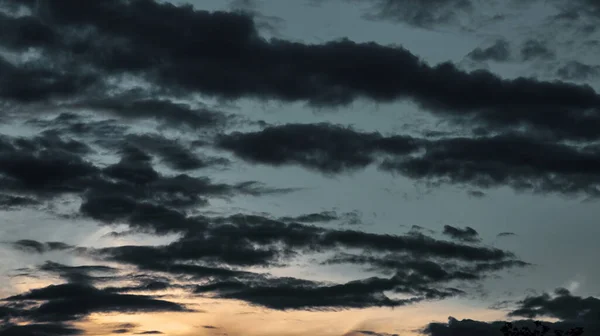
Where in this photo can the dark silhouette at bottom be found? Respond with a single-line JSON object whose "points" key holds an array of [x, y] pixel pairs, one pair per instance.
{"points": [[539, 330]]}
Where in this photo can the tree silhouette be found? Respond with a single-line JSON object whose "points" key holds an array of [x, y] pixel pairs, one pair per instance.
{"points": [[540, 330]]}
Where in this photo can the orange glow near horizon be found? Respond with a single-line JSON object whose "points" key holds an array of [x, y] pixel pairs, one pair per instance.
{"points": [[234, 318]]}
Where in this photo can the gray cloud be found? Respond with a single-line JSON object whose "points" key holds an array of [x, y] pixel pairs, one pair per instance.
{"points": [[468, 234], [574, 70], [534, 49], [498, 52]]}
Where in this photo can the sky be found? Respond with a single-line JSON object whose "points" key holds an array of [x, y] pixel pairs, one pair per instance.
{"points": [[298, 167]]}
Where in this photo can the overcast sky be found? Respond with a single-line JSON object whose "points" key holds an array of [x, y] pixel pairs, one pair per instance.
{"points": [[298, 167]]}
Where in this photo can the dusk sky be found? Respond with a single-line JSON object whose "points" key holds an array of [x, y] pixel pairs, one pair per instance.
{"points": [[298, 167]]}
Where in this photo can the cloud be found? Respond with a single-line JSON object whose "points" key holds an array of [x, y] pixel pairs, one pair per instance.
{"points": [[562, 305], [325, 216], [506, 234], [53, 165], [498, 52], [290, 293], [373, 333], [575, 70], [534, 49], [250, 66], [571, 312], [68, 302], [172, 153], [8, 202], [146, 286], [349, 218], [240, 230], [211, 250], [184, 256], [163, 110], [481, 162], [269, 23], [476, 193], [468, 327], [34, 329], [34, 84], [44, 171], [79, 274], [468, 234], [150, 332], [422, 271], [578, 10], [329, 148], [176, 53], [498, 161], [422, 14], [37, 247]]}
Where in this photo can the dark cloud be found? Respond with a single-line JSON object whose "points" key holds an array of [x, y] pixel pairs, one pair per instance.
{"points": [[469, 327], [31, 83], [126, 326], [562, 305], [83, 275], [468, 234], [150, 286], [45, 172], [269, 23], [8, 202], [330, 74], [150, 332], [373, 333], [519, 161], [37, 247], [536, 50], [464, 327], [179, 52], [571, 312], [130, 190], [522, 163], [24, 32], [173, 153], [99, 131], [80, 274], [210, 247], [418, 230], [149, 201], [350, 218], [44, 142], [327, 148], [498, 52], [261, 230], [35, 329], [288, 293], [69, 302], [169, 113], [318, 217], [506, 234], [423, 271]]}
